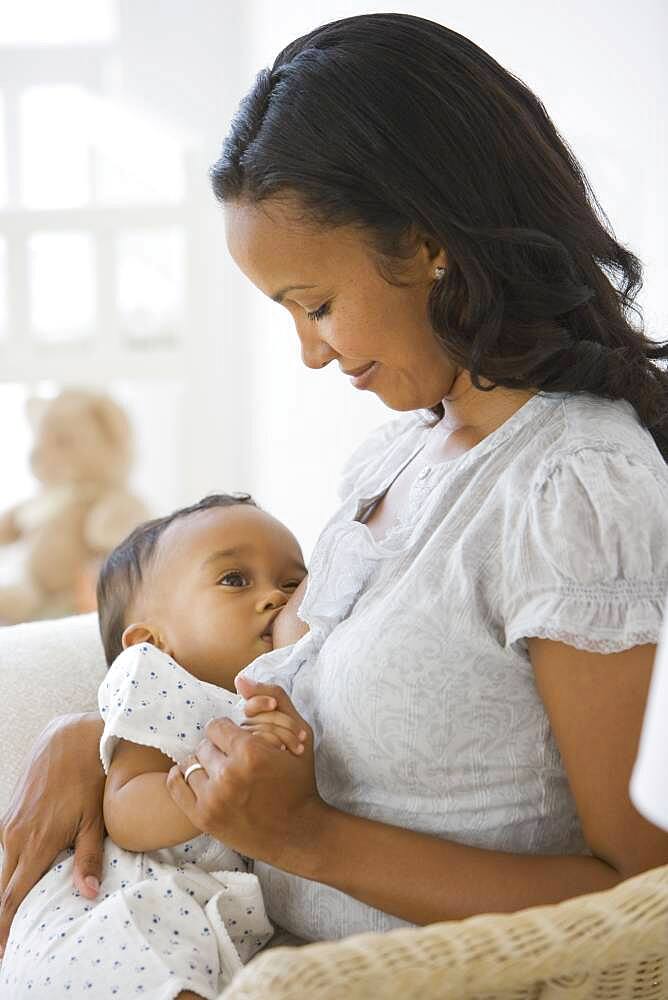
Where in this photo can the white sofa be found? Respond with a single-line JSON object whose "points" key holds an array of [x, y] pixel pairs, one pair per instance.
{"points": [[47, 668]]}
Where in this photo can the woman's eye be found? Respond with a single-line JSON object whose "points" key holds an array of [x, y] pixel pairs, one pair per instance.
{"points": [[318, 313], [234, 579]]}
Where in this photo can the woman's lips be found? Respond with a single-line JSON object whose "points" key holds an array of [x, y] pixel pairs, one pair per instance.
{"points": [[362, 379]]}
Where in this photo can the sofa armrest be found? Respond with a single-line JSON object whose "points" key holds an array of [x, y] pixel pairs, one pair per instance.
{"points": [[605, 945], [47, 668]]}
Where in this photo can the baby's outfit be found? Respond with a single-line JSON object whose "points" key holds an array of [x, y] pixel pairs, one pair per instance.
{"points": [[178, 918]]}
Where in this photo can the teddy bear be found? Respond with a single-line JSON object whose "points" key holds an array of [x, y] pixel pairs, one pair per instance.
{"points": [[81, 457]]}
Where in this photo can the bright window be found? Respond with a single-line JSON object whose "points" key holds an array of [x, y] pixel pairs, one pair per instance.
{"points": [[151, 273], [62, 285], [95, 219], [55, 147], [67, 22], [3, 153], [3, 289]]}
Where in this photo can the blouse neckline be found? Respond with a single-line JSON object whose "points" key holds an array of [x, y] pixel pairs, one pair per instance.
{"points": [[532, 407], [400, 532]]}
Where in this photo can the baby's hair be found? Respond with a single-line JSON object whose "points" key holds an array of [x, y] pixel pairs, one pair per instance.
{"points": [[123, 570]]}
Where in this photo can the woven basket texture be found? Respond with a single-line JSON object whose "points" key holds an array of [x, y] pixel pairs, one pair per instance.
{"points": [[610, 945]]}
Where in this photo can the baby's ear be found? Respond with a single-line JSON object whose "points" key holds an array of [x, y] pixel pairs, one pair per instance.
{"points": [[140, 632]]}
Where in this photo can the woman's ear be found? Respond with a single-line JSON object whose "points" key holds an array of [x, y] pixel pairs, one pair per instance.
{"points": [[141, 632]]}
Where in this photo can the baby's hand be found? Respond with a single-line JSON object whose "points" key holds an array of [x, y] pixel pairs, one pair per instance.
{"points": [[275, 727]]}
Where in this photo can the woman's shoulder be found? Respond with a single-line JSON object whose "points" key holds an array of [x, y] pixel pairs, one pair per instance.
{"points": [[594, 505], [574, 432], [591, 424], [584, 554], [588, 492]]}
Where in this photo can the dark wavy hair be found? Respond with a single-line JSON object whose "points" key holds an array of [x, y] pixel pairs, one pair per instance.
{"points": [[408, 130], [124, 569]]}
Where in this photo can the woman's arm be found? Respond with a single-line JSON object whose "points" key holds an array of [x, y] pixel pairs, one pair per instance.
{"points": [[58, 803], [595, 703]]}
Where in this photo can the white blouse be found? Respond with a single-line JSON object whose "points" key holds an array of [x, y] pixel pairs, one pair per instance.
{"points": [[415, 674]]}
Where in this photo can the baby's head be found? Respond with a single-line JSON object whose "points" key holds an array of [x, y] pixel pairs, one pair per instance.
{"points": [[204, 584]]}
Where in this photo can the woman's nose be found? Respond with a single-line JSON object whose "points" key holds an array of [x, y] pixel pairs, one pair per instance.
{"points": [[316, 352]]}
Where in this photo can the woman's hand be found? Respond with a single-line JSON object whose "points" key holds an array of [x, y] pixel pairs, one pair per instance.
{"points": [[58, 803], [257, 800]]}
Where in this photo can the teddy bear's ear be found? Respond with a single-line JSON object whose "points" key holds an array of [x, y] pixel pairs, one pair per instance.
{"points": [[114, 424], [35, 407]]}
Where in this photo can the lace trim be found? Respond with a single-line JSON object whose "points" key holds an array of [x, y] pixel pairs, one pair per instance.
{"points": [[638, 638]]}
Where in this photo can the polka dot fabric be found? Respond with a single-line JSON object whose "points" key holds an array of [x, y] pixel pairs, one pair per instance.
{"points": [[180, 918], [147, 697]]}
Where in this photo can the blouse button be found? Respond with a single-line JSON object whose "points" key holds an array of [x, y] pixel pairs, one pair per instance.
{"points": [[423, 473]]}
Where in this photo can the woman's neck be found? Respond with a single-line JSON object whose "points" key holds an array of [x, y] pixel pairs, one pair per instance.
{"points": [[471, 414]]}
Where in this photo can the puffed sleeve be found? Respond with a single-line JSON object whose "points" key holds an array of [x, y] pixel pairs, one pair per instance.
{"points": [[586, 558], [148, 698]]}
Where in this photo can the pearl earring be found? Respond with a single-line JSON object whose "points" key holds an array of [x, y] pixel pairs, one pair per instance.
{"points": [[438, 273]]}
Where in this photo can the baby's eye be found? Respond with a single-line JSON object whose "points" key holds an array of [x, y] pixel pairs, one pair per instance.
{"points": [[291, 584], [234, 579]]}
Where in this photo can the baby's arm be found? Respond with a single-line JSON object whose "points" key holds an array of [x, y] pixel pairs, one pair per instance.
{"points": [[139, 812]]}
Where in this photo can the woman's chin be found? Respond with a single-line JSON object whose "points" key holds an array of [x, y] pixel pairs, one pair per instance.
{"points": [[402, 402], [405, 394]]}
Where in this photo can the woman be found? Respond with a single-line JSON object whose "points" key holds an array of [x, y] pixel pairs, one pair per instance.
{"points": [[484, 606]]}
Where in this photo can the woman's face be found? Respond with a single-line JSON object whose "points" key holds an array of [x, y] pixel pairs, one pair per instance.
{"points": [[360, 321]]}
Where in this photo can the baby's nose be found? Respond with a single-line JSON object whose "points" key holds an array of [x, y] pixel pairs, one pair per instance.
{"points": [[274, 599]]}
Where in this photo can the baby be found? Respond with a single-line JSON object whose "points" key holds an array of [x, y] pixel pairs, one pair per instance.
{"points": [[185, 602]]}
